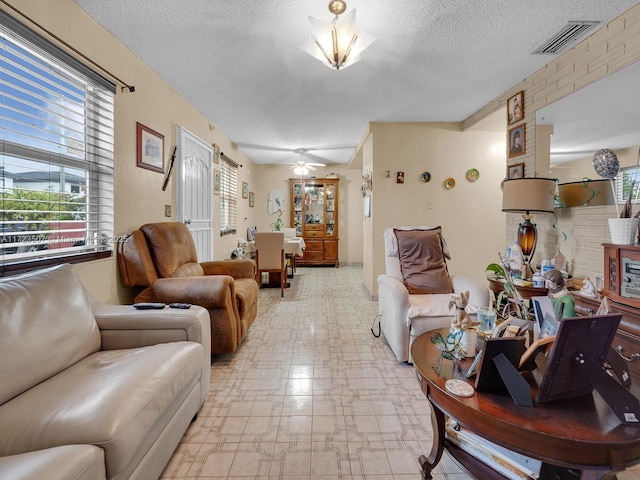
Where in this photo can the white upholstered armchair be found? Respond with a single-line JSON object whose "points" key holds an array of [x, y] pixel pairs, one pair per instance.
{"points": [[406, 316]]}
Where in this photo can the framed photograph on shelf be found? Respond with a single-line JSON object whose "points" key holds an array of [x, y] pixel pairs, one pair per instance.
{"points": [[150, 149], [252, 199], [516, 141], [515, 108], [515, 171], [216, 181], [245, 190]]}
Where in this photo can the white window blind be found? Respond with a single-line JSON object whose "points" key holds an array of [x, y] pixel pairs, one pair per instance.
{"points": [[228, 196], [56, 158]]}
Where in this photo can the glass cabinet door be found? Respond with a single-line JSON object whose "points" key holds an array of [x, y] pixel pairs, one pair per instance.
{"points": [[330, 209], [298, 207], [314, 205]]}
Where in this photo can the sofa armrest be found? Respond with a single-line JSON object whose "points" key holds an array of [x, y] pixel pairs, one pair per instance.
{"points": [[122, 327], [244, 268]]}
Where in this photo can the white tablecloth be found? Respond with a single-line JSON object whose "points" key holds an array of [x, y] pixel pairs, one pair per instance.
{"points": [[294, 246]]}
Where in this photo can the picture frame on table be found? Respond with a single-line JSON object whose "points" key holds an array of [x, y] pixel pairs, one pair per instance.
{"points": [[516, 141], [216, 181], [515, 171], [252, 199], [515, 108], [245, 190], [149, 149]]}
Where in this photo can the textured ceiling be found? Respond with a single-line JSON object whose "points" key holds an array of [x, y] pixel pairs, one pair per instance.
{"points": [[240, 64]]}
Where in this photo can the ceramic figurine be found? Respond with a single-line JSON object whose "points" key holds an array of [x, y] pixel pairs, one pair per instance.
{"points": [[554, 281]]}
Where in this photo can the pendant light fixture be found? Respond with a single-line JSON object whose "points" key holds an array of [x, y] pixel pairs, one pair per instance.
{"points": [[337, 44]]}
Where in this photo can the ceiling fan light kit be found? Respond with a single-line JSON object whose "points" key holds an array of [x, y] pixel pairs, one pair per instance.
{"points": [[337, 44]]}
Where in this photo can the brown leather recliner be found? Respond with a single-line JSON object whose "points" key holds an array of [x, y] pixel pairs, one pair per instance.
{"points": [[162, 257]]}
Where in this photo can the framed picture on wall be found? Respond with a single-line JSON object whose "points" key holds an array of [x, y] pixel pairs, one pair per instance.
{"points": [[150, 149], [515, 171], [245, 190], [216, 181], [516, 141], [216, 154], [515, 108], [252, 199]]}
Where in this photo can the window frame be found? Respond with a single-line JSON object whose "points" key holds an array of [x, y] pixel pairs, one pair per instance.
{"points": [[228, 196]]}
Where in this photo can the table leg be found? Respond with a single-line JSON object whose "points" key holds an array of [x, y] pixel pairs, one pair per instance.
{"points": [[429, 462]]}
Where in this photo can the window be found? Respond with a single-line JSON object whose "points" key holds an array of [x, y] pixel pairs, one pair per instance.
{"points": [[623, 184], [228, 196], [56, 158]]}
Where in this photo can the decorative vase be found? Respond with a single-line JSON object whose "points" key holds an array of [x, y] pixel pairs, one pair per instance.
{"points": [[623, 230], [468, 342]]}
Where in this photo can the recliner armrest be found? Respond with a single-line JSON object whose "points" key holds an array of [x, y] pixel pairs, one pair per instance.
{"points": [[244, 268], [215, 291]]}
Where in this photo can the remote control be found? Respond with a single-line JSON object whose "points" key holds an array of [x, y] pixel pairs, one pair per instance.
{"points": [[149, 305], [180, 305]]}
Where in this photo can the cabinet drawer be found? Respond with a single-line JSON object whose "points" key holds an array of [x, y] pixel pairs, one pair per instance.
{"points": [[313, 255], [314, 227], [314, 245], [628, 347], [313, 233]]}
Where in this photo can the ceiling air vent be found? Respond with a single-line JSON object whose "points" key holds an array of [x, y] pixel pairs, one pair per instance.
{"points": [[564, 37]]}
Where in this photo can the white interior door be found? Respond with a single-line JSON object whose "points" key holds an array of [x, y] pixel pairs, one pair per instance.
{"points": [[193, 185]]}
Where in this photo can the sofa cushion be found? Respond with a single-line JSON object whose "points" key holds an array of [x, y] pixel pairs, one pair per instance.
{"points": [[69, 462], [119, 400], [46, 325], [422, 262]]}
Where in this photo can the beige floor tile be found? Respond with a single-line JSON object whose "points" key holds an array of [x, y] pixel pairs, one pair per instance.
{"points": [[311, 395]]}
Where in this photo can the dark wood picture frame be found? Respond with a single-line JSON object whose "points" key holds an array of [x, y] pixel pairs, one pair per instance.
{"points": [[515, 171], [149, 149], [516, 141], [515, 108]]}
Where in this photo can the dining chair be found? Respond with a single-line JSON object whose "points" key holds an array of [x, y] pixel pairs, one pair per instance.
{"points": [[270, 257]]}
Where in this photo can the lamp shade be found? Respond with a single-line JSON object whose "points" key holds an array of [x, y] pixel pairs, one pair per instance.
{"points": [[528, 195]]}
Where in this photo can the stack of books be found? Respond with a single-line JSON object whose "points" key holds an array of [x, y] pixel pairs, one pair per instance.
{"points": [[510, 464]]}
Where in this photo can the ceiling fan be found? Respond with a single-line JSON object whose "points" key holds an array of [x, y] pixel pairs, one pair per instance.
{"points": [[305, 157]]}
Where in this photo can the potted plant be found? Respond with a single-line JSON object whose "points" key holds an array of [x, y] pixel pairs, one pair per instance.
{"points": [[509, 301]]}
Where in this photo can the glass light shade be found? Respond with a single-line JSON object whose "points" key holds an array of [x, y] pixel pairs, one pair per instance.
{"points": [[527, 237], [337, 44], [300, 170]]}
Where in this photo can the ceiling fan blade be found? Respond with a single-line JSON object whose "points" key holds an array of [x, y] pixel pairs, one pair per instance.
{"points": [[316, 159]]}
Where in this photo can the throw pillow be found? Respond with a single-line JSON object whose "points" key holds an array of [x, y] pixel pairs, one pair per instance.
{"points": [[422, 261]]}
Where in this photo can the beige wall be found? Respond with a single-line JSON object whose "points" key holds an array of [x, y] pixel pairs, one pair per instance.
{"points": [[469, 214], [612, 48]]}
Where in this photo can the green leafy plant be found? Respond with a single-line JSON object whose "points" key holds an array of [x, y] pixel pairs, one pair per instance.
{"points": [[509, 296]]}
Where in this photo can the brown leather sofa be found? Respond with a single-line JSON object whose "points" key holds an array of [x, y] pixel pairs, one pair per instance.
{"points": [[161, 258]]}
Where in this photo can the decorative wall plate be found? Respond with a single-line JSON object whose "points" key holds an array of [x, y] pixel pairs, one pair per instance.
{"points": [[426, 176], [449, 183], [473, 174]]}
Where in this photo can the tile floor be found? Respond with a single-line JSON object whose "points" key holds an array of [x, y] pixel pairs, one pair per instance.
{"points": [[311, 394]]}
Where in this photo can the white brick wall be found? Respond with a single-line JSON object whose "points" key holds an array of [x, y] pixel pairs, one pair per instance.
{"points": [[610, 49]]}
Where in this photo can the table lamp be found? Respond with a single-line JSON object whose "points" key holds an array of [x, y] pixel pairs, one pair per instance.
{"points": [[528, 195]]}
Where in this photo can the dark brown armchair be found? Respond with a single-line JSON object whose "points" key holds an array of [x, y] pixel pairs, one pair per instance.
{"points": [[161, 258]]}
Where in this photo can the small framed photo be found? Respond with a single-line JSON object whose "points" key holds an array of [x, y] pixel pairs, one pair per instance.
{"points": [[216, 181], [515, 171], [400, 177], [245, 190], [252, 199], [515, 108], [516, 141], [216, 154], [150, 149]]}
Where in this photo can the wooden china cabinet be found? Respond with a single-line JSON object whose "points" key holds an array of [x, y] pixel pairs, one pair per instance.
{"points": [[314, 214]]}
